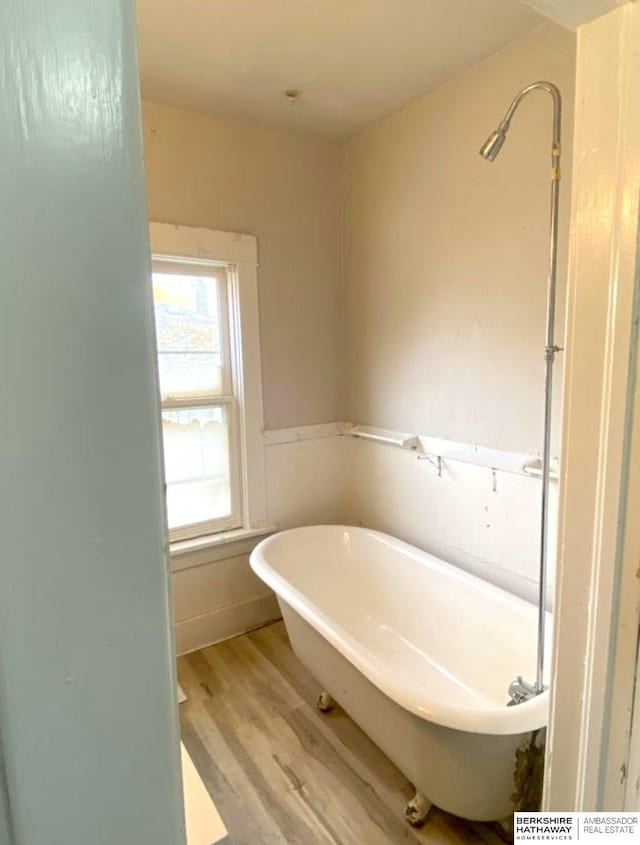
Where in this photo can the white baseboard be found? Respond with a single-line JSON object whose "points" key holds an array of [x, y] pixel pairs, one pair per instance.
{"points": [[224, 623]]}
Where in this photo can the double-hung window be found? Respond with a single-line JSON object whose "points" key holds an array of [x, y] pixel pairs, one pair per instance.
{"points": [[203, 379]]}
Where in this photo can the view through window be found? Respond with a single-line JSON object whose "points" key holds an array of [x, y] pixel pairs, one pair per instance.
{"points": [[197, 398]]}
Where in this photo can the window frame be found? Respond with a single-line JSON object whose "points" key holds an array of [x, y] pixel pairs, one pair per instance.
{"points": [[227, 399], [187, 248]]}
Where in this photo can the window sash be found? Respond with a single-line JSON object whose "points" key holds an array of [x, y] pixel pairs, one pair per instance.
{"points": [[234, 518], [225, 317], [196, 401], [229, 399]]}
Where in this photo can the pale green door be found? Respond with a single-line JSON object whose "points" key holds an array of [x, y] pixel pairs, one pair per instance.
{"points": [[88, 720]]}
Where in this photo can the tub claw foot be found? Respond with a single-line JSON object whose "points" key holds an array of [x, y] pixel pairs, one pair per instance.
{"points": [[417, 810], [325, 702]]}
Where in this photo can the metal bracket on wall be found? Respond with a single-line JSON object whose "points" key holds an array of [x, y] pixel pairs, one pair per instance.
{"points": [[435, 461], [534, 468]]}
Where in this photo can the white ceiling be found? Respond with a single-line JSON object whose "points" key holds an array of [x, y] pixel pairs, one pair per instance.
{"points": [[354, 61], [573, 13]]}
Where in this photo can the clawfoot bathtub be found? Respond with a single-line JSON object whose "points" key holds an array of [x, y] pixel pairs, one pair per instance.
{"points": [[418, 652]]}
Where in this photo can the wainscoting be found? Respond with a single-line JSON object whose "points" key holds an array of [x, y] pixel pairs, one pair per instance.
{"points": [[219, 599], [215, 593], [281, 772], [481, 518]]}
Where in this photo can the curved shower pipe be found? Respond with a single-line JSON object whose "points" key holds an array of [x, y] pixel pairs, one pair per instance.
{"points": [[521, 690]]}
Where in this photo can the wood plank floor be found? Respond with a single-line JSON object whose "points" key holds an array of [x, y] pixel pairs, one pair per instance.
{"points": [[278, 770]]}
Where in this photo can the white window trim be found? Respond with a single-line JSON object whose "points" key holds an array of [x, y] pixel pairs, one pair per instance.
{"points": [[590, 763], [239, 253]]}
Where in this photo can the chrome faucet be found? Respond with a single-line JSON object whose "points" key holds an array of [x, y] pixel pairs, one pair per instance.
{"points": [[520, 690]]}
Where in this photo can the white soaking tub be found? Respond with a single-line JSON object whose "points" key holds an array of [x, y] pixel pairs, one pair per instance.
{"points": [[418, 652]]}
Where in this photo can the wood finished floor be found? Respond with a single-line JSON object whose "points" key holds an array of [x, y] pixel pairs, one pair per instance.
{"points": [[278, 770]]}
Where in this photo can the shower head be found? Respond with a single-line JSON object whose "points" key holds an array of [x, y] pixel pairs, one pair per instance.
{"points": [[492, 146], [494, 143]]}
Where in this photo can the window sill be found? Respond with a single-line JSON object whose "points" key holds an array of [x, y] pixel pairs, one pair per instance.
{"points": [[200, 551]]}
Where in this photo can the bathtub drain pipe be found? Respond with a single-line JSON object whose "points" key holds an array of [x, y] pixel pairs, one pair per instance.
{"points": [[489, 151]]}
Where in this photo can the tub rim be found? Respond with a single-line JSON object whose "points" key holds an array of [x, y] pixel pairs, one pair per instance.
{"points": [[498, 720]]}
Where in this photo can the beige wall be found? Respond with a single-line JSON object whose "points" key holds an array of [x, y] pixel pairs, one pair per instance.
{"points": [[445, 294], [446, 254], [202, 171]]}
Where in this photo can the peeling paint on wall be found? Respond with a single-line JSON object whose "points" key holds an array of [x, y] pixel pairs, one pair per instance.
{"points": [[528, 774]]}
